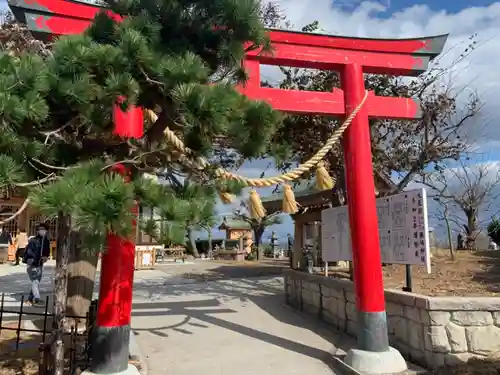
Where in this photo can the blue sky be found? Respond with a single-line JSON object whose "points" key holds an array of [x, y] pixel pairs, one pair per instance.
{"points": [[449, 6]]}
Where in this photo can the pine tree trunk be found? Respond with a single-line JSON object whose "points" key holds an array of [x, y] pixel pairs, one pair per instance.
{"points": [[257, 233], [192, 242], [82, 269], [210, 249], [60, 287]]}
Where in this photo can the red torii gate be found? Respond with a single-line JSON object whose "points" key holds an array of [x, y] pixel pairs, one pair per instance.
{"points": [[352, 57]]}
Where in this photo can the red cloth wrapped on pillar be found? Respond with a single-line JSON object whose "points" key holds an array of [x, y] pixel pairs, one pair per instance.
{"points": [[110, 349], [130, 123]]}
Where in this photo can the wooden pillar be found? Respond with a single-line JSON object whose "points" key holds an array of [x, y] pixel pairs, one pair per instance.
{"points": [[317, 243], [297, 242], [363, 224], [23, 220]]}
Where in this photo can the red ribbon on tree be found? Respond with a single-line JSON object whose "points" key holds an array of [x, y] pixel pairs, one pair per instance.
{"points": [[130, 123]]}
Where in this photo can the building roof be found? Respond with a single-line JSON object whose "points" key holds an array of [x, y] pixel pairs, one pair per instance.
{"points": [[306, 193], [301, 189], [233, 223]]}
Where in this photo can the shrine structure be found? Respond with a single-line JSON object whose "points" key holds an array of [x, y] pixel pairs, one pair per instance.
{"points": [[351, 57], [307, 221]]}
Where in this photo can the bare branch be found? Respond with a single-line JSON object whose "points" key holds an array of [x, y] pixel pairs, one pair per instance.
{"points": [[51, 166], [238, 214], [49, 178], [17, 213], [56, 133], [472, 190], [148, 79]]}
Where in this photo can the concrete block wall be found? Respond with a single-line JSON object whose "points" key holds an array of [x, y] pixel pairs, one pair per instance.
{"points": [[430, 331]]}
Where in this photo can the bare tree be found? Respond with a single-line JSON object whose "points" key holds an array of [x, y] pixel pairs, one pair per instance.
{"points": [[443, 214], [467, 195], [16, 39]]}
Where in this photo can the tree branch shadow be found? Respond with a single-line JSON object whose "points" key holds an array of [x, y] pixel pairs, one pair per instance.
{"points": [[265, 293]]}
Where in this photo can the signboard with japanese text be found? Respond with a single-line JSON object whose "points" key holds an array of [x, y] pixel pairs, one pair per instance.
{"points": [[403, 230]]}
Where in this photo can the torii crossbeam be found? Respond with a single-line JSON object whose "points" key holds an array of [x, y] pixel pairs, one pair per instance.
{"points": [[351, 57]]}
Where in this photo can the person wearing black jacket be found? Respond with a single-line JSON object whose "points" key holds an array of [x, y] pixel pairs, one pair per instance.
{"points": [[5, 237], [36, 254]]}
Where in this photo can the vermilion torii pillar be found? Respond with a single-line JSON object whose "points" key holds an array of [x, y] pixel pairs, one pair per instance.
{"points": [[352, 57]]}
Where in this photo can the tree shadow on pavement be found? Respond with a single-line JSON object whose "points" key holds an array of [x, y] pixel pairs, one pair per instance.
{"points": [[265, 293], [235, 270]]}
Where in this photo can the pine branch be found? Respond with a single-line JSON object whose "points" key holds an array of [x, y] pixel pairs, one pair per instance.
{"points": [[169, 67]]}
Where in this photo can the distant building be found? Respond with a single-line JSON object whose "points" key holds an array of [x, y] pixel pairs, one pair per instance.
{"points": [[11, 201], [235, 229]]}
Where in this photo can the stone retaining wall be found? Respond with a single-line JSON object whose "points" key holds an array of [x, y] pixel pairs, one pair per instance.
{"points": [[430, 331]]}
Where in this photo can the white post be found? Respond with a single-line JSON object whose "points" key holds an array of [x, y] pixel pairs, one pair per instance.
{"points": [[326, 269]]}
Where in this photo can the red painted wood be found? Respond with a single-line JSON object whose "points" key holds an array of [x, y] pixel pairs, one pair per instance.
{"points": [[65, 8], [56, 25], [332, 104], [117, 275], [361, 198], [334, 59], [252, 67], [406, 46], [299, 56]]}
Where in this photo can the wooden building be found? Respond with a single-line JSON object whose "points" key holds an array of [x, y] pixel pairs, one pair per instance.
{"points": [[29, 218], [10, 203], [235, 229], [307, 222]]}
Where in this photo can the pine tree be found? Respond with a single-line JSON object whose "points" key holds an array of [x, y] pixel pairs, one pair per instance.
{"points": [[258, 225], [180, 59], [196, 210]]}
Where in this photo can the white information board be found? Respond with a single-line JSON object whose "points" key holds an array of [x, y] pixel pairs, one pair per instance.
{"points": [[403, 230]]}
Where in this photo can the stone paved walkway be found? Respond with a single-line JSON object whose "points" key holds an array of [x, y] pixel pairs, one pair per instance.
{"points": [[236, 326], [14, 284], [186, 326]]}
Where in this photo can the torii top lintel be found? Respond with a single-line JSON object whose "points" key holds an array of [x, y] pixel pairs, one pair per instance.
{"points": [[47, 18]]}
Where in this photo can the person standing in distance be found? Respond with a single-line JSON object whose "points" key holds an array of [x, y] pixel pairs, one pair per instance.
{"points": [[5, 242], [21, 243], [36, 254], [290, 249]]}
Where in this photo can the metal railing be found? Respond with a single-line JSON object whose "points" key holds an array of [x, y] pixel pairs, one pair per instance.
{"points": [[77, 341]]}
